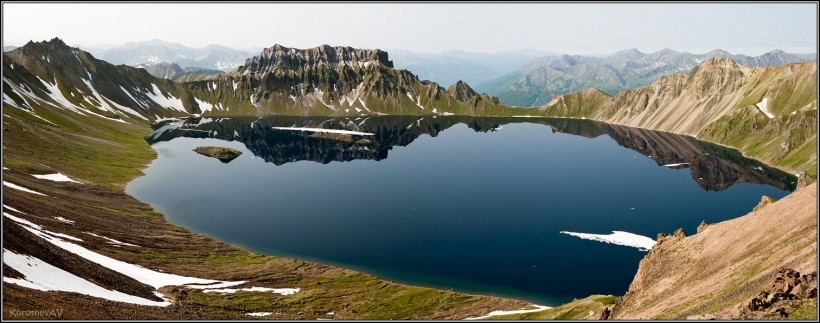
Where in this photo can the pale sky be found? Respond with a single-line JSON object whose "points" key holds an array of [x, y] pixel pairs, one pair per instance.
{"points": [[567, 28]]}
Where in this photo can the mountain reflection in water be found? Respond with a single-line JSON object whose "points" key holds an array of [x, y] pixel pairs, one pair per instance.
{"points": [[713, 167]]}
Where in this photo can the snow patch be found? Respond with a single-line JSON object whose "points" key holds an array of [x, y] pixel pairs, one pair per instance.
{"points": [[259, 314], [418, 102], [112, 241], [57, 96], [43, 276], [64, 220], [325, 130], [537, 308], [215, 285], [762, 106], [40, 228], [280, 291], [620, 238], [204, 106], [13, 209], [166, 101], [58, 177], [104, 105], [140, 274], [139, 102], [20, 188]]}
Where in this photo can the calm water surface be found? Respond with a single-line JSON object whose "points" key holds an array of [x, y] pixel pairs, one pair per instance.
{"points": [[473, 204]]}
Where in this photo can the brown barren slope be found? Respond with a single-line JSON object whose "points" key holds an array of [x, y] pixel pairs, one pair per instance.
{"points": [[725, 265]]}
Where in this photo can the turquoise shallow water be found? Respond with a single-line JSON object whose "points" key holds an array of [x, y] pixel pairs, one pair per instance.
{"points": [[472, 204]]}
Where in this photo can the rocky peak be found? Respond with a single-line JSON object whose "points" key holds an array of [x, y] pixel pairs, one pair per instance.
{"points": [[461, 91], [49, 58], [45, 47], [631, 52], [717, 75], [280, 57], [718, 53], [628, 54]]}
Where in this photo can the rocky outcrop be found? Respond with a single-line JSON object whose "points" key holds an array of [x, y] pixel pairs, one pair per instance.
{"points": [[224, 154], [764, 201], [702, 226], [773, 302]]}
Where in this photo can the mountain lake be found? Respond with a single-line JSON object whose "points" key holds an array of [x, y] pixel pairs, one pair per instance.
{"points": [[514, 207]]}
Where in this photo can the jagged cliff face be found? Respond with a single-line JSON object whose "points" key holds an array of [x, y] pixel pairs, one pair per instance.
{"points": [[47, 77], [279, 57], [331, 81], [768, 112]]}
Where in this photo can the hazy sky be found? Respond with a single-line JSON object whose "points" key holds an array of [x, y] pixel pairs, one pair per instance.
{"points": [[566, 28]]}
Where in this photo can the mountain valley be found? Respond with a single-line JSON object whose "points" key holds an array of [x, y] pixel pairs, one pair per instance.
{"points": [[738, 121]]}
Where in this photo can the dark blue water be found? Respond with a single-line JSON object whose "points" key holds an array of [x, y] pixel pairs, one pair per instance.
{"points": [[471, 209]]}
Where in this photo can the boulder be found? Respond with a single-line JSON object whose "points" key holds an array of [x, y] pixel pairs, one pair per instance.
{"points": [[764, 201], [702, 226]]}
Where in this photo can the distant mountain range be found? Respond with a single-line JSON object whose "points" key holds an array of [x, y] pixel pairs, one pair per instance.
{"points": [[214, 57], [451, 66], [540, 79], [173, 71]]}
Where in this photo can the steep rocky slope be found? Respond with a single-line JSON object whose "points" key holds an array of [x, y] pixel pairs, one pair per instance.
{"points": [[721, 268], [329, 80], [769, 113], [52, 74]]}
